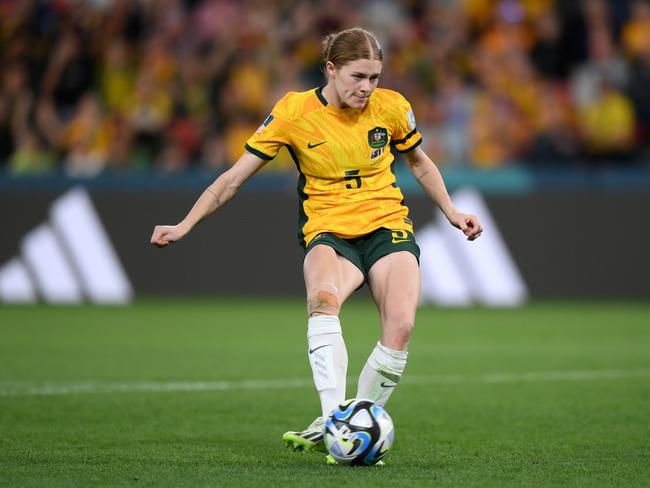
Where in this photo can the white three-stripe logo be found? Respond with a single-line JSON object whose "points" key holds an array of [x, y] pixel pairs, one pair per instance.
{"points": [[66, 259], [456, 272]]}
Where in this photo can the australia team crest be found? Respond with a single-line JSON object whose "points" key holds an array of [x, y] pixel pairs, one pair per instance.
{"points": [[377, 137]]}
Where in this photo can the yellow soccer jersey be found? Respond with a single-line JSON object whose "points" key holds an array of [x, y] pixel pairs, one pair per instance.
{"points": [[346, 185]]}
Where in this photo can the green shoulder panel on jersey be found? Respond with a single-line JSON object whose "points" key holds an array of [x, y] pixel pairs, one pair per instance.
{"points": [[302, 181]]}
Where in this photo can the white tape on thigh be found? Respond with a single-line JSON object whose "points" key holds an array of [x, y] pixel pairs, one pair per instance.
{"points": [[322, 367]]}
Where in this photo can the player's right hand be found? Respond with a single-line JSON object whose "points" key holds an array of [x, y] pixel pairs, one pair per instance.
{"points": [[164, 235]]}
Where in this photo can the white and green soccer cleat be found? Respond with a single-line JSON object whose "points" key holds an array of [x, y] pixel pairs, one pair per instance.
{"points": [[310, 439], [331, 461]]}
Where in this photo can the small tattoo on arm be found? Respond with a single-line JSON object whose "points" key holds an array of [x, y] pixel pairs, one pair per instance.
{"points": [[215, 197], [422, 175]]}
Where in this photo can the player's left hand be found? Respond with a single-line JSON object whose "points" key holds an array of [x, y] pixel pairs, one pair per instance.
{"points": [[469, 224]]}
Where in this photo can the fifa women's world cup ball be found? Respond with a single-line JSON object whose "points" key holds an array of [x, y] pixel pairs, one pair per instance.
{"points": [[359, 432]]}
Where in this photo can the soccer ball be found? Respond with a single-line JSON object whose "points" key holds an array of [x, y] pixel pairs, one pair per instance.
{"points": [[359, 432]]}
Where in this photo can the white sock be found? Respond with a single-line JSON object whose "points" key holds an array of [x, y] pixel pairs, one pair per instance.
{"points": [[329, 360], [381, 374]]}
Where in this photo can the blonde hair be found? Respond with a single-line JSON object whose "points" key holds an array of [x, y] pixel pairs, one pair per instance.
{"points": [[349, 45]]}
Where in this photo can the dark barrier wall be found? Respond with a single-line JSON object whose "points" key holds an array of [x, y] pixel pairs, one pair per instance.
{"points": [[579, 244], [566, 245]]}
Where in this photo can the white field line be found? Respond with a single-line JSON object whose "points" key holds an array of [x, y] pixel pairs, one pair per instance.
{"points": [[12, 389]]}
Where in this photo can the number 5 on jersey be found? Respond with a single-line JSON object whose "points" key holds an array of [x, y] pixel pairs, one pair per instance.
{"points": [[352, 176]]}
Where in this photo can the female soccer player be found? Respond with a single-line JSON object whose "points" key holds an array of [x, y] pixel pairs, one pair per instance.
{"points": [[352, 222]]}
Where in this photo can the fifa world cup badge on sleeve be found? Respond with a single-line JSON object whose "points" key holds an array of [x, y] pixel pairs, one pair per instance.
{"points": [[411, 119]]}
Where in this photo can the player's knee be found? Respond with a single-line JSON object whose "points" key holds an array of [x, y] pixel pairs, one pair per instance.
{"points": [[322, 302], [398, 333]]}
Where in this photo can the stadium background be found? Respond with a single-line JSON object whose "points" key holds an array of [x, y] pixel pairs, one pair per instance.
{"points": [[536, 110], [538, 105]]}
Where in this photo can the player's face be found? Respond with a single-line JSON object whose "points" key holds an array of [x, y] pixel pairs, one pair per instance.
{"points": [[356, 81]]}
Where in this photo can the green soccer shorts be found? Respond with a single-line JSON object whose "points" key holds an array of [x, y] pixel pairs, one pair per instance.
{"points": [[366, 250]]}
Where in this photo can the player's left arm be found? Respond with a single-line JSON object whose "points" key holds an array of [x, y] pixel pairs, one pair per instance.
{"points": [[429, 177]]}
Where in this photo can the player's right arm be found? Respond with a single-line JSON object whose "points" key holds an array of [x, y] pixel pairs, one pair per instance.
{"points": [[211, 200]]}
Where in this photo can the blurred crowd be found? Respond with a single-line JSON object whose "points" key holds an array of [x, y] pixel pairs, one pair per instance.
{"points": [[171, 85]]}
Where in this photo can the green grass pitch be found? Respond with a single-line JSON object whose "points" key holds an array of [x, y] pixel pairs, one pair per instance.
{"points": [[198, 393]]}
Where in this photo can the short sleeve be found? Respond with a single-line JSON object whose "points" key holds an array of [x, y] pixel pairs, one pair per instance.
{"points": [[271, 135], [405, 136]]}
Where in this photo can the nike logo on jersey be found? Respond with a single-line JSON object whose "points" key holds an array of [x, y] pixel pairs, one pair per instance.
{"points": [[312, 146], [311, 351], [384, 385], [397, 241]]}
